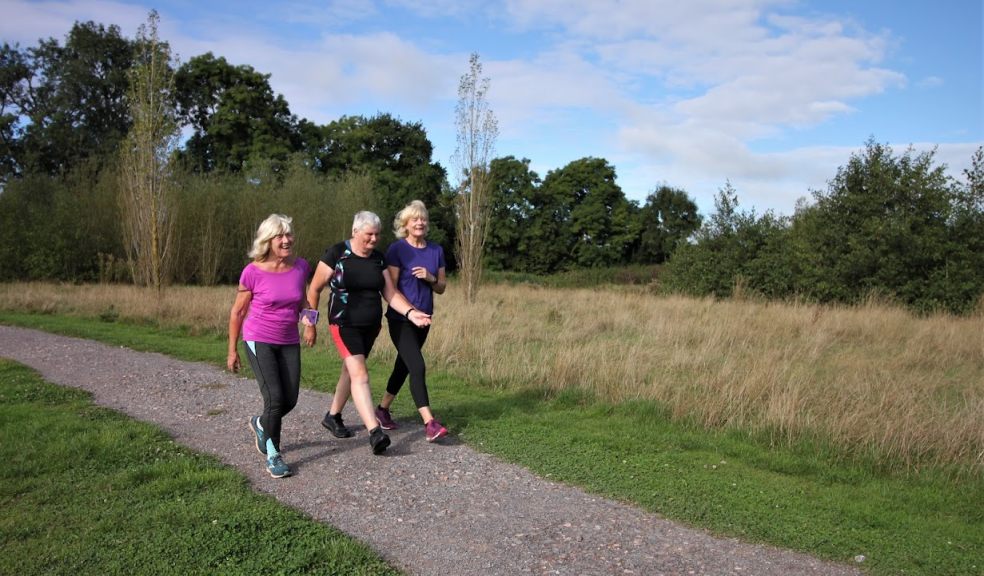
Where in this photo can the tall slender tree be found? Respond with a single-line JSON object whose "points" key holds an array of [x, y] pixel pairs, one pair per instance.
{"points": [[477, 131], [146, 191]]}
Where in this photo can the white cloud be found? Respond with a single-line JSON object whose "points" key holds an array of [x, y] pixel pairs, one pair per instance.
{"points": [[931, 82], [26, 22], [669, 92], [690, 85]]}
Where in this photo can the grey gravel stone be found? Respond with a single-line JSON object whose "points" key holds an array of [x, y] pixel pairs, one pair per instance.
{"points": [[428, 509]]}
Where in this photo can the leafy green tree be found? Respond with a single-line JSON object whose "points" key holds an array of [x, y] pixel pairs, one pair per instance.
{"points": [[234, 115], [734, 250], [397, 154], [513, 186], [544, 247], [599, 223], [14, 72], [959, 283], [881, 227], [63, 105], [668, 218]]}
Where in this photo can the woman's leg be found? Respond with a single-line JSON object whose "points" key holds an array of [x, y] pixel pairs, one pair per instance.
{"points": [[400, 371], [409, 343], [265, 362], [342, 392], [291, 376], [355, 366]]}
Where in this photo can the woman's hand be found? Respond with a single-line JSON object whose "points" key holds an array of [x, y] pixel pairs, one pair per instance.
{"points": [[421, 273], [419, 319], [310, 336], [232, 362]]}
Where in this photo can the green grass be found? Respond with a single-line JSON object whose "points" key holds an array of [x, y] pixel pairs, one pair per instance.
{"points": [[85, 490], [803, 497]]}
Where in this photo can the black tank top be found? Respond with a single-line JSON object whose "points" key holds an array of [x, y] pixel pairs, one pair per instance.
{"points": [[356, 285]]}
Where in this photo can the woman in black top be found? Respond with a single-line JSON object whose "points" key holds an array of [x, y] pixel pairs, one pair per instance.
{"points": [[356, 273]]}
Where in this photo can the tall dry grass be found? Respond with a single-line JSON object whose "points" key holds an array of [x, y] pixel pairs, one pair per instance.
{"points": [[874, 380]]}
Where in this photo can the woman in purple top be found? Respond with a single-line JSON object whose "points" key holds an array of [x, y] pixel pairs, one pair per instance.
{"points": [[417, 268], [266, 311]]}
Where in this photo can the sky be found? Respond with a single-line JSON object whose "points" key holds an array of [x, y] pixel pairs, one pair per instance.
{"points": [[769, 96]]}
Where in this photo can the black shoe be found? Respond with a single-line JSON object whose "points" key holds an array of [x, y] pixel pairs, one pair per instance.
{"points": [[378, 440], [336, 426]]}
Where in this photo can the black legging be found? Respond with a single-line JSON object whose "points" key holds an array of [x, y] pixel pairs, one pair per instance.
{"points": [[278, 371], [409, 340]]}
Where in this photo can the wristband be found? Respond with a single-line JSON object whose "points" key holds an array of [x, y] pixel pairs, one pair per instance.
{"points": [[407, 315]]}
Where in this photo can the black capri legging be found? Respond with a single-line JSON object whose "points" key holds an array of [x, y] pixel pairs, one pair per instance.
{"points": [[409, 341], [278, 371]]}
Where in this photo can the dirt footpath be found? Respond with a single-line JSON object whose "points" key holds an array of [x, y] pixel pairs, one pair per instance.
{"points": [[428, 509]]}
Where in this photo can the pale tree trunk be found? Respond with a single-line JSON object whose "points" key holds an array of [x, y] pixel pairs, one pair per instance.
{"points": [[477, 130], [146, 191]]}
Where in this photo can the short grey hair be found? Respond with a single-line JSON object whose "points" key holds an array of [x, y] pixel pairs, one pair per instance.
{"points": [[273, 226], [366, 219]]}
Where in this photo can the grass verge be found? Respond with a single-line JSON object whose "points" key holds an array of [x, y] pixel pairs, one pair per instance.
{"points": [[86, 490], [804, 497]]}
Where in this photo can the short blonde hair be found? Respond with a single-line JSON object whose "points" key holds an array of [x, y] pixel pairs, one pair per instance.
{"points": [[273, 226], [414, 209]]}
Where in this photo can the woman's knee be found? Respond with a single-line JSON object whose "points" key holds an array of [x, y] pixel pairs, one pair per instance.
{"points": [[288, 404]]}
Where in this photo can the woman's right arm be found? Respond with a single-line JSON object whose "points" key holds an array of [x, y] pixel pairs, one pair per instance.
{"points": [[236, 316], [318, 282]]}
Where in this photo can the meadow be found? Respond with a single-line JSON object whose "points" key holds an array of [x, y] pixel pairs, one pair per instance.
{"points": [[874, 381], [842, 432]]}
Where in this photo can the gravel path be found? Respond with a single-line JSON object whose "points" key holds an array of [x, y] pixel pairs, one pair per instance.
{"points": [[428, 509]]}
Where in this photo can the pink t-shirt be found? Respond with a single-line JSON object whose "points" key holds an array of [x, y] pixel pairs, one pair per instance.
{"points": [[277, 300]]}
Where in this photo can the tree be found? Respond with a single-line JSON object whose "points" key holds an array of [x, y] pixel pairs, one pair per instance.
{"points": [[14, 72], [147, 197], [397, 154], [883, 225], [668, 218], [477, 131], [599, 222], [961, 279], [234, 116], [64, 105], [513, 185], [733, 250], [543, 247]]}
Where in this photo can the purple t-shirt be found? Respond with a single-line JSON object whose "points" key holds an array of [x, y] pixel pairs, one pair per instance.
{"points": [[406, 257], [277, 300]]}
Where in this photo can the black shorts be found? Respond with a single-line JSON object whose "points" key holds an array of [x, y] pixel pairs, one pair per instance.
{"points": [[354, 340]]}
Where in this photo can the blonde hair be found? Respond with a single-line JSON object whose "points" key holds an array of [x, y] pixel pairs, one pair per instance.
{"points": [[273, 226], [414, 209]]}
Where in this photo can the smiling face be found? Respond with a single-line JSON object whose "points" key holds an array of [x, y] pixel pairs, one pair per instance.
{"points": [[417, 227], [281, 245], [274, 239]]}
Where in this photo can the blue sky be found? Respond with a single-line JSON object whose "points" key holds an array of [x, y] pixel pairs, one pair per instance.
{"points": [[770, 95]]}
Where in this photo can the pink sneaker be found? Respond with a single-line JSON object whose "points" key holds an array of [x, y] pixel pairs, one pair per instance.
{"points": [[385, 419], [433, 430]]}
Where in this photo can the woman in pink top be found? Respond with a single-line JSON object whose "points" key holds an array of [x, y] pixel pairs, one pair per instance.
{"points": [[266, 311]]}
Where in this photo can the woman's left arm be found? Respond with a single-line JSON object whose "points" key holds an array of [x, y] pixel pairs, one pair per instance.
{"points": [[440, 282]]}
